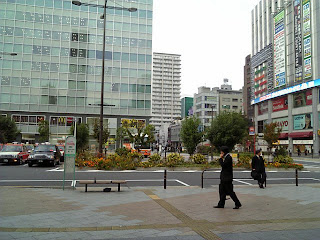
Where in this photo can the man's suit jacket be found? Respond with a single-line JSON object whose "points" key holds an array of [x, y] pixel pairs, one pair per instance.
{"points": [[226, 174]]}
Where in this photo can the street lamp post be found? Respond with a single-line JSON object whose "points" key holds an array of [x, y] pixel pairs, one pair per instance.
{"points": [[78, 3]]}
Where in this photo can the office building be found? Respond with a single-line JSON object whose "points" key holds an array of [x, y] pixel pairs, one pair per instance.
{"points": [[230, 100], [206, 105], [248, 109], [285, 71], [166, 85], [186, 107], [56, 74]]}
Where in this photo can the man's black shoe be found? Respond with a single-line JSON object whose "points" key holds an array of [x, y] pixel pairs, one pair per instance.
{"points": [[237, 207], [218, 206], [261, 185]]}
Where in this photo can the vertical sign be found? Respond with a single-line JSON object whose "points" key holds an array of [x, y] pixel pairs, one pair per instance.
{"points": [[298, 41], [307, 39], [279, 50], [69, 158]]}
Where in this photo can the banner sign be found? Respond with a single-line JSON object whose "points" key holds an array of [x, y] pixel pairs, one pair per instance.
{"points": [[262, 108], [280, 104], [303, 121], [282, 123], [307, 49], [69, 159], [302, 99], [279, 50], [297, 88], [298, 41]]}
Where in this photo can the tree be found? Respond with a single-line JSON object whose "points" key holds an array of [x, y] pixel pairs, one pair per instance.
{"points": [[82, 135], [120, 135], [271, 134], [8, 130], [138, 133], [96, 131], [44, 131], [190, 134], [227, 129]]}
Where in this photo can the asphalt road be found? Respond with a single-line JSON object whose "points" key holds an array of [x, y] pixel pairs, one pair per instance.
{"points": [[22, 175]]}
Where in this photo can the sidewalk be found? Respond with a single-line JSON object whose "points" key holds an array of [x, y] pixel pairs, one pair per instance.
{"points": [[277, 212]]}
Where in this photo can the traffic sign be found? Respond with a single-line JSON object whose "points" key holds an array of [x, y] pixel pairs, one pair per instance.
{"points": [[251, 131]]}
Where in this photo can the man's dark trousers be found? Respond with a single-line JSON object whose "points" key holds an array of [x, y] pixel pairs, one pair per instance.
{"points": [[226, 188]]}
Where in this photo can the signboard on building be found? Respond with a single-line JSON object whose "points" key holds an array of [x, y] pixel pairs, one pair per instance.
{"points": [[279, 50], [303, 121], [262, 108], [280, 104], [288, 90], [302, 99], [298, 40], [251, 131], [307, 47], [282, 123]]}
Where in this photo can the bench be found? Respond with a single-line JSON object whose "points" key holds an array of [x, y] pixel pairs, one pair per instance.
{"points": [[86, 182]]}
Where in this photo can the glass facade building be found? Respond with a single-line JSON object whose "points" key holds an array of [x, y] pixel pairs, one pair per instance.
{"points": [[56, 74]]}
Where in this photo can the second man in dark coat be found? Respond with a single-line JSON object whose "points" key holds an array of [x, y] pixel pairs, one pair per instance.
{"points": [[258, 168]]}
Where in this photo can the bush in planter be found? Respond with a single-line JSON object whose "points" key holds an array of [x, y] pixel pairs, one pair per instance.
{"points": [[244, 161], [122, 151], [155, 159], [199, 159], [174, 159], [283, 159], [204, 150]]}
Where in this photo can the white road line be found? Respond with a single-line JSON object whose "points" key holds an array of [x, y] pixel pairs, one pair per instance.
{"points": [[182, 183], [237, 180], [33, 180]]}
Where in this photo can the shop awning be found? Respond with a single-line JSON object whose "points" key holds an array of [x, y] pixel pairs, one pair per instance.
{"points": [[283, 135], [300, 134]]}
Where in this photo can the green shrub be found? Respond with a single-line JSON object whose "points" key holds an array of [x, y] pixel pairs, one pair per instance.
{"points": [[122, 151], [174, 159], [205, 150], [282, 152], [244, 161], [283, 159], [155, 159], [199, 159]]}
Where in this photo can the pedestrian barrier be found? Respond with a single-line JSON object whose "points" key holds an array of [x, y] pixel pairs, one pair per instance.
{"points": [[265, 184]]}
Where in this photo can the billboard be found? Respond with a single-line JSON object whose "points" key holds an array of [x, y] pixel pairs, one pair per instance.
{"points": [[279, 50], [280, 104], [307, 50], [282, 122], [303, 121], [298, 41], [262, 108], [302, 99]]}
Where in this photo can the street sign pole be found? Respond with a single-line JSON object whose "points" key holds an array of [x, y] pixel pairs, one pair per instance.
{"points": [[252, 133], [69, 161]]}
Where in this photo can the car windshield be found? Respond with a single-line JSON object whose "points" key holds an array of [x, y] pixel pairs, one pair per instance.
{"points": [[29, 147], [44, 148], [11, 148], [61, 148]]}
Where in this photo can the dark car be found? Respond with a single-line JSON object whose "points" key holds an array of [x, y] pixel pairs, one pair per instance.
{"points": [[45, 154], [13, 153]]}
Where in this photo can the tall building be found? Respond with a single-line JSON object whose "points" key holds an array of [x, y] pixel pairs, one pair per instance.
{"points": [[186, 107], [230, 100], [285, 67], [56, 74], [166, 82], [206, 105], [247, 107]]}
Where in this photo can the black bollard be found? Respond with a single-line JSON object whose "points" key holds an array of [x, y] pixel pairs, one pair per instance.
{"points": [[165, 179], [296, 177]]}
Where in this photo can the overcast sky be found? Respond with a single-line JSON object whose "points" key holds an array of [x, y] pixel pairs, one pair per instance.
{"points": [[212, 36]]}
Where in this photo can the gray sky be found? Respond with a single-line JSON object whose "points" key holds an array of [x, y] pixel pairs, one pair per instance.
{"points": [[212, 36]]}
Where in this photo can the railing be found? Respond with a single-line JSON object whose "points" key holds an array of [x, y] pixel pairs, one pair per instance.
{"points": [[202, 178]]}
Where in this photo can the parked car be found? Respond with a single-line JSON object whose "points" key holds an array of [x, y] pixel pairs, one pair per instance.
{"points": [[61, 148], [14, 153], [45, 154], [30, 148], [1, 146]]}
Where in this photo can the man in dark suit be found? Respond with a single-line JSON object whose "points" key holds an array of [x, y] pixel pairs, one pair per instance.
{"points": [[258, 168], [226, 177]]}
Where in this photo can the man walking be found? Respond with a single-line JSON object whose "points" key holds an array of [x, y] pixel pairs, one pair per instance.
{"points": [[258, 169], [226, 177]]}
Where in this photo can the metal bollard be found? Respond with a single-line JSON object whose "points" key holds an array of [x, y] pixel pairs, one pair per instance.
{"points": [[165, 179], [202, 179], [296, 177]]}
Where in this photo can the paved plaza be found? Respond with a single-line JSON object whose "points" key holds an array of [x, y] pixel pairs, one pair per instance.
{"points": [[277, 212]]}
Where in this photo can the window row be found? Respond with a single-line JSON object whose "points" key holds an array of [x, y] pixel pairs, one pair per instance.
{"points": [[27, 119], [71, 101], [74, 36], [66, 5], [76, 69], [81, 85]]}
